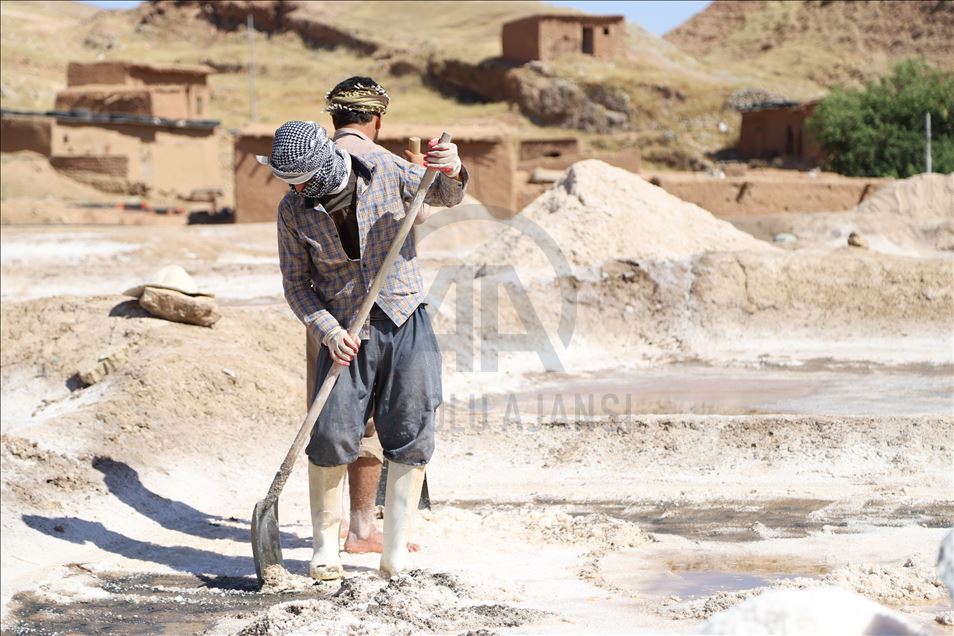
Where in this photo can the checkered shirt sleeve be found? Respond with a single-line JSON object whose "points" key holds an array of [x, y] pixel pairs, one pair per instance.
{"points": [[446, 191], [295, 263]]}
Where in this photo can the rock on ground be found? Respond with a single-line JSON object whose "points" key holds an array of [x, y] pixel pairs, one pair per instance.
{"points": [[94, 369], [179, 307]]}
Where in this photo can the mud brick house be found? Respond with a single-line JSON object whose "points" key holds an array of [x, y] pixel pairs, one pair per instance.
{"points": [[490, 159], [777, 129], [126, 128], [173, 92], [547, 37], [134, 154]]}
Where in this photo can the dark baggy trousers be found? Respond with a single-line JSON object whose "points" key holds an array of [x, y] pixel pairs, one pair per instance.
{"points": [[396, 377]]}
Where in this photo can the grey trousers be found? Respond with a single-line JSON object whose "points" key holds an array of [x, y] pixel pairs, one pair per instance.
{"points": [[370, 446], [396, 377]]}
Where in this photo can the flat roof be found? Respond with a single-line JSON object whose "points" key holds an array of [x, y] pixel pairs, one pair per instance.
{"points": [[89, 117], [776, 104], [187, 69], [570, 17]]}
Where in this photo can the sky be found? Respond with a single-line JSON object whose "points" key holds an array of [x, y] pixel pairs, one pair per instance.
{"points": [[656, 16]]}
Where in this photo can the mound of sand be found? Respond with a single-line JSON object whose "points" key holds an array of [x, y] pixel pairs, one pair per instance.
{"points": [[923, 196], [598, 212], [29, 175]]}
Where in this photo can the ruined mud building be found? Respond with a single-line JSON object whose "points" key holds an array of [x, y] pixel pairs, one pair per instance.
{"points": [[127, 128], [777, 129]]}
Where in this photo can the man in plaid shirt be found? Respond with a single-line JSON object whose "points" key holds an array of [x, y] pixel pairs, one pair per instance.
{"points": [[334, 228]]}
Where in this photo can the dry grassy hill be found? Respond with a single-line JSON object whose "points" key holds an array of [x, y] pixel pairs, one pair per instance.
{"points": [[302, 49], [803, 48]]}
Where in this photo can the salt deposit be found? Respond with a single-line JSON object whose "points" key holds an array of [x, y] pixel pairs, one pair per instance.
{"points": [[419, 601], [598, 212], [278, 579], [156, 467], [821, 611]]}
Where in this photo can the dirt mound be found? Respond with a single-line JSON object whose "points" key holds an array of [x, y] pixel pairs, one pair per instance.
{"points": [[419, 601], [913, 581], [28, 175], [747, 305], [911, 217], [597, 213], [245, 372], [33, 192], [923, 196]]}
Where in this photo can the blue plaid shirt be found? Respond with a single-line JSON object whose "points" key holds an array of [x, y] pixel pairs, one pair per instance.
{"points": [[323, 287]]}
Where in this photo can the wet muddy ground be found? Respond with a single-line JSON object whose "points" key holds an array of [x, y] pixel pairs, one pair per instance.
{"points": [[729, 520], [817, 387], [144, 604]]}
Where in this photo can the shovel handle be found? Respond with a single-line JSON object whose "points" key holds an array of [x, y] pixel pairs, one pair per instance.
{"points": [[278, 483]]}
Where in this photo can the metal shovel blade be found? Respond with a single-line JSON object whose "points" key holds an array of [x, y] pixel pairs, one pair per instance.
{"points": [[266, 540]]}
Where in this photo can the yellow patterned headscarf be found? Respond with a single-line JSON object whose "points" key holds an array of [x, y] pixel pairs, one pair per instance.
{"points": [[359, 97]]}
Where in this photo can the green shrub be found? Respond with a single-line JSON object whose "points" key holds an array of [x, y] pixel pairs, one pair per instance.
{"points": [[879, 130]]}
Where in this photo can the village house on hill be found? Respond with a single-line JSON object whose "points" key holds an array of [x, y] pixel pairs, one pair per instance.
{"points": [[547, 37]]}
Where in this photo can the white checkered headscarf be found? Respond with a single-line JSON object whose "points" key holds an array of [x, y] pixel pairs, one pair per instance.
{"points": [[303, 153]]}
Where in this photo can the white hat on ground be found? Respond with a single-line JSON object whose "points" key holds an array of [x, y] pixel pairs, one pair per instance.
{"points": [[171, 277]]}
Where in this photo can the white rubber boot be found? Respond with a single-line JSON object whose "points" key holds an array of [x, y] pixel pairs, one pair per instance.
{"points": [[324, 492], [400, 506]]}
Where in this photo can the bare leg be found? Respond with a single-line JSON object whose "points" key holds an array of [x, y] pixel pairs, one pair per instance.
{"points": [[363, 533]]}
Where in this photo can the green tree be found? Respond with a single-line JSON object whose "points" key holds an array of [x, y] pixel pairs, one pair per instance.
{"points": [[879, 130]]}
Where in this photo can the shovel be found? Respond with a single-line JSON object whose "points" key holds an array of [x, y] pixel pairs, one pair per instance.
{"points": [[266, 541]]}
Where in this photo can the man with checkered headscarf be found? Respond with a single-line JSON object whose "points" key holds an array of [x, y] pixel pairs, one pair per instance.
{"points": [[334, 228]]}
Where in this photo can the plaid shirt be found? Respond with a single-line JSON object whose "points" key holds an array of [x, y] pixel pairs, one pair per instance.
{"points": [[323, 287]]}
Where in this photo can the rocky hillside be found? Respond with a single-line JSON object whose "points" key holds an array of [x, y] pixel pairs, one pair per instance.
{"points": [[803, 48]]}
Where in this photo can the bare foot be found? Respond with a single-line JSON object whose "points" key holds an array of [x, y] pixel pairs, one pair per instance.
{"points": [[372, 543]]}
